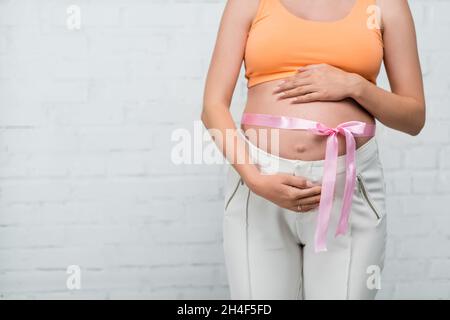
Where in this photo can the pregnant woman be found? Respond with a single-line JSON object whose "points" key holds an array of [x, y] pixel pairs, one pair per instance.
{"points": [[305, 214]]}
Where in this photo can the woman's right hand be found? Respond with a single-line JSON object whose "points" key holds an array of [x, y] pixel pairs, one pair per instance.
{"points": [[287, 191]]}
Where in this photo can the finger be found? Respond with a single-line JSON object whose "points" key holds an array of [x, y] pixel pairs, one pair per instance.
{"points": [[291, 83], [308, 208], [297, 182], [314, 200], [287, 80], [287, 83], [309, 97], [304, 208], [298, 91], [307, 192], [304, 74]]}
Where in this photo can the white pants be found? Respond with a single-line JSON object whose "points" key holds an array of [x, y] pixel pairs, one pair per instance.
{"points": [[269, 250]]}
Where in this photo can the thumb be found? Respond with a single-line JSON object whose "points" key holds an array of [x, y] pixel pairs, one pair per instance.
{"points": [[299, 182]]}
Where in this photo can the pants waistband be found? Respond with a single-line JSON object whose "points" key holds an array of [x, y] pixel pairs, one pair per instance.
{"points": [[270, 163]]}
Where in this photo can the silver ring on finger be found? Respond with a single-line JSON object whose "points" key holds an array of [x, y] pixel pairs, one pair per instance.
{"points": [[299, 206]]}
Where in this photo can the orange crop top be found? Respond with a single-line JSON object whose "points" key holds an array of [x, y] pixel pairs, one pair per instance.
{"points": [[279, 42]]}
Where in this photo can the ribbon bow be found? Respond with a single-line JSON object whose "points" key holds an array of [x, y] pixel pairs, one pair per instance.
{"points": [[350, 130]]}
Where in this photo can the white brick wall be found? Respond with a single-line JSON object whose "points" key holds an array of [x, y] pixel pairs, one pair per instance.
{"points": [[86, 118]]}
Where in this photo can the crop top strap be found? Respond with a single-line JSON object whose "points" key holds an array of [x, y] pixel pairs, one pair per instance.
{"points": [[264, 9], [373, 13]]}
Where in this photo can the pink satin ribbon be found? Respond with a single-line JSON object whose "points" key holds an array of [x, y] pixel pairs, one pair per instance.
{"points": [[350, 130]]}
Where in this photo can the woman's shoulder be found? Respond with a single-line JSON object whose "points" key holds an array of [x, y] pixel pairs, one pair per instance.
{"points": [[243, 12], [392, 10], [247, 8]]}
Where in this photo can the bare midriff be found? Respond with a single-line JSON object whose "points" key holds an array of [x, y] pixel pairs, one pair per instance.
{"points": [[300, 144]]}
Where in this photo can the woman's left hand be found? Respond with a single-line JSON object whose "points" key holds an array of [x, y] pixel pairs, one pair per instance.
{"points": [[318, 82]]}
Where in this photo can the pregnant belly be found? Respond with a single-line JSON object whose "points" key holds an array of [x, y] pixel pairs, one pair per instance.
{"points": [[299, 144]]}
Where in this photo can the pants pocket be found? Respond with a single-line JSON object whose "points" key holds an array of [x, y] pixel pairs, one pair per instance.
{"points": [[233, 193], [233, 184], [372, 192]]}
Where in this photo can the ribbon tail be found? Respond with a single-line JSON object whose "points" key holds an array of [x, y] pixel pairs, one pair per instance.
{"points": [[349, 183], [326, 197]]}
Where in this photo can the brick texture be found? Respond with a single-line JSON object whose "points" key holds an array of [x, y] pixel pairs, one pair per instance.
{"points": [[86, 118]]}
